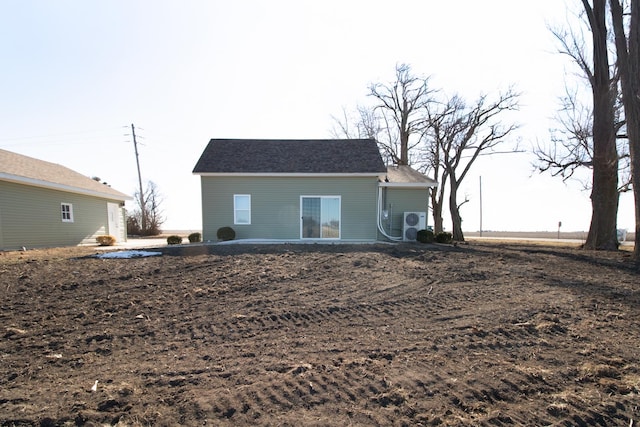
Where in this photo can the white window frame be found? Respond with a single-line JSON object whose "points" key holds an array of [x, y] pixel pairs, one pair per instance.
{"points": [[339, 198], [66, 214], [236, 210]]}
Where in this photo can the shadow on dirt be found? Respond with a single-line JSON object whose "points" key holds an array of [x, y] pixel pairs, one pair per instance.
{"points": [[618, 260], [399, 250], [575, 260]]}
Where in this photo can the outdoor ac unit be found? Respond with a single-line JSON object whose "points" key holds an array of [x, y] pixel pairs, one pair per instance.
{"points": [[413, 221]]}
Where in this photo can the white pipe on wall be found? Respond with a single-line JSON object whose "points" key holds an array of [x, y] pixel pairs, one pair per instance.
{"points": [[379, 219]]}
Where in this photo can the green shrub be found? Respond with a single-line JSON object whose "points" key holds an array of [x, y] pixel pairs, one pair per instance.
{"points": [[174, 240], [106, 240], [444, 237], [195, 237], [425, 236], [226, 233]]}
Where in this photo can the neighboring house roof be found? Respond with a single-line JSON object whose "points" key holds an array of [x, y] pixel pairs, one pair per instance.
{"points": [[29, 171], [290, 156], [406, 176]]}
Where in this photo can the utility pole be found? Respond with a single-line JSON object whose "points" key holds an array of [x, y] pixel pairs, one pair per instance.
{"points": [[143, 209]]}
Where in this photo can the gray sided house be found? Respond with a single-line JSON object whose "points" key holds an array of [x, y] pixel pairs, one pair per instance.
{"points": [[307, 190], [43, 204]]}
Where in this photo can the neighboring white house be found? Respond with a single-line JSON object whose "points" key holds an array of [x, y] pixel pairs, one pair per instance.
{"points": [[44, 204]]}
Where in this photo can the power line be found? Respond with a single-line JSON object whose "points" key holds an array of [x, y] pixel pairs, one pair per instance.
{"points": [[63, 139], [56, 135]]}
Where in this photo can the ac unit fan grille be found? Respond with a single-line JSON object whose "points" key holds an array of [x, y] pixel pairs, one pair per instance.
{"points": [[411, 233], [412, 219]]}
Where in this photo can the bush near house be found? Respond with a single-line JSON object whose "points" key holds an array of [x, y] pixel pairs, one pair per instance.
{"points": [[425, 236], [195, 237], [174, 240], [444, 237], [106, 240], [226, 233]]}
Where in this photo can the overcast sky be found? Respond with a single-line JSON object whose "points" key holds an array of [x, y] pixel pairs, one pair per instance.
{"points": [[76, 74]]}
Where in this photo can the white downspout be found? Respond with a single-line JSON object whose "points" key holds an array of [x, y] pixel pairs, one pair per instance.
{"points": [[379, 219]]}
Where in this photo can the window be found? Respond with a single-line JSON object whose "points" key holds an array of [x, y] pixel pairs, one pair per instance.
{"points": [[320, 217], [242, 209], [67, 212]]}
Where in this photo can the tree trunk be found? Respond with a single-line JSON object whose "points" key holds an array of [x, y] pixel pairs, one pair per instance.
{"points": [[629, 67], [456, 219], [633, 126], [437, 198], [602, 230], [404, 136], [436, 206], [604, 194]]}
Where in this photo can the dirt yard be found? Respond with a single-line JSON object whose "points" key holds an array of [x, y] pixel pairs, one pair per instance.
{"points": [[485, 334]]}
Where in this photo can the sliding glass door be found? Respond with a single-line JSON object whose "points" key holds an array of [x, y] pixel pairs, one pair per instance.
{"points": [[320, 217]]}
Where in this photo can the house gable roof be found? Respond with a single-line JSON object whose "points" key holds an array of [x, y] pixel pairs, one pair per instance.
{"points": [[39, 173], [290, 156]]}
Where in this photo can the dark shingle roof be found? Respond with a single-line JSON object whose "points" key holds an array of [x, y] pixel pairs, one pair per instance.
{"points": [[290, 156], [27, 170]]}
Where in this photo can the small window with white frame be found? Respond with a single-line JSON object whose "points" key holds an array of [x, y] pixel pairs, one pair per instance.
{"points": [[66, 210], [242, 209]]}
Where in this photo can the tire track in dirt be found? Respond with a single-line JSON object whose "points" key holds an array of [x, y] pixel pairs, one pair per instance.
{"points": [[359, 382], [474, 398], [287, 394]]}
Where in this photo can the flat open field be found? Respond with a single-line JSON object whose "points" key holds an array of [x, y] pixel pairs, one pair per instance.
{"points": [[578, 236], [488, 334]]}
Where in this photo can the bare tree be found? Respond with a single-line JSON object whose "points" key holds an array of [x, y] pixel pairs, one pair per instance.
{"points": [[443, 138], [399, 107], [628, 60], [146, 220], [458, 134], [395, 119], [365, 124], [342, 126], [444, 122], [587, 134]]}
